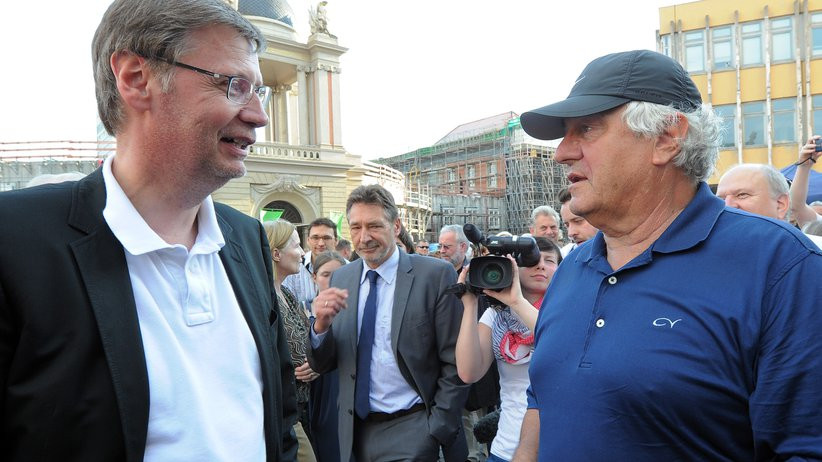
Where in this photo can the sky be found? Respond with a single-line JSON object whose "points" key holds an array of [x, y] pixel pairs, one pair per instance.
{"points": [[415, 70]]}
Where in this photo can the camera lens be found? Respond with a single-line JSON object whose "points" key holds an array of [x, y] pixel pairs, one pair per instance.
{"points": [[492, 274]]}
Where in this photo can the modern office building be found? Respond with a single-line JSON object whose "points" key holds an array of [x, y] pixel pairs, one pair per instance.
{"points": [[759, 63]]}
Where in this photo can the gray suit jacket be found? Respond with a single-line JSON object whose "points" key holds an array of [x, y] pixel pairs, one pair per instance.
{"points": [[424, 327]]}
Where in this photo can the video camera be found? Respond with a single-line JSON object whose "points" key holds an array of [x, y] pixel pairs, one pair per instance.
{"points": [[494, 271]]}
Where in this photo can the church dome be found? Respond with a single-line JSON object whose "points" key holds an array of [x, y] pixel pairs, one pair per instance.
{"points": [[278, 10]]}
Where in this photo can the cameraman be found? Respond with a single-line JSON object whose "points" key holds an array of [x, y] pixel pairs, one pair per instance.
{"points": [[505, 336]]}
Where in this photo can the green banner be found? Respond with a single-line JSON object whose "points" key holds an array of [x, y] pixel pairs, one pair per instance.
{"points": [[270, 215], [337, 218]]}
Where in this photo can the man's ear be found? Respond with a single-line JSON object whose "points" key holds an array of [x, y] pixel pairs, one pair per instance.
{"points": [[397, 227], [132, 75], [669, 143], [783, 202]]}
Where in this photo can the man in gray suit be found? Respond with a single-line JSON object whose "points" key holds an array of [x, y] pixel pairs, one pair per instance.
{"points": [[393, 336]]}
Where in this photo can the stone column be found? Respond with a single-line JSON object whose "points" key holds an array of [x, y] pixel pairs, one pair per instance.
{"points": [[327, 105], [305, 113], [282, 113]]}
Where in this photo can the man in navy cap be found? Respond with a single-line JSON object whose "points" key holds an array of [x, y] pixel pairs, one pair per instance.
{"points": [[685, 330]]}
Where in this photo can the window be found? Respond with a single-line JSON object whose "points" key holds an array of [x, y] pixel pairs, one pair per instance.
{"points": [[782, 39], [472, 173], [728, 115], [816, 35], [470, 214], [722, 44], [695, 51], [784, 120], [817, 114], [452, 178], [752, 43], [492, 174], [493, 219], [753, 123], [665, 45], [448, 215]]}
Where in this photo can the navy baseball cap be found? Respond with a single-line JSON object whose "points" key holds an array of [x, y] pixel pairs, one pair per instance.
{"points": [[613, 80]]}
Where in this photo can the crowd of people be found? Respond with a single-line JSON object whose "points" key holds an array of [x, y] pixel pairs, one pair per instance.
{"points": [[140, 320]]}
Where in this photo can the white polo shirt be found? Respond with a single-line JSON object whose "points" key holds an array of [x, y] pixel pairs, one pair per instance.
{"points": [[205, 384]]}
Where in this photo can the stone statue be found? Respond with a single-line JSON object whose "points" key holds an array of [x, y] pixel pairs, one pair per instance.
{"points": [[319, 20]]}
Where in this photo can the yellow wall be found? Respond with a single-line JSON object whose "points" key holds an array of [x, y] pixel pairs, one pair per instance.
{"points": [[816, 69], [783, 80], [752, 84], [721, 12], [752, 79], [723, 87], [784, 155]]}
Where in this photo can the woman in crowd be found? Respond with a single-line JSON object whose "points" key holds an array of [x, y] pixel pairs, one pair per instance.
{"points": [[404, 241], [324, 390], [287, 254], [505, 335]]}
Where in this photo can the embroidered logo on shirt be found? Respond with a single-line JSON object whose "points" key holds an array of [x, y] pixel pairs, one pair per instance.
{"points": [[663, 322]]}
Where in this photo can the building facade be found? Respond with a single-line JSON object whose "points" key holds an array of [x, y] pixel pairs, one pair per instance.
{"points": [[487, 172], [298, 168], [759, 64]]}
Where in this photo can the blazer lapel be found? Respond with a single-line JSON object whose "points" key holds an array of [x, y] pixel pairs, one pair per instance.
{"points": [[405, 277], [102, 264], [248, 294], [345, 323]]}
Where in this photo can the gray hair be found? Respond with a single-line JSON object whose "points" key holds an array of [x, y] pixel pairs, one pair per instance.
{"points": [[699, 149], [777, 184], [373, 194], [814, 228], [154, 29], [545, 210], [458, 232]]}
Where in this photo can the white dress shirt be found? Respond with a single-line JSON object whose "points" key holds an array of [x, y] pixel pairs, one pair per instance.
{"points": [[205, 384], [389, 390]]}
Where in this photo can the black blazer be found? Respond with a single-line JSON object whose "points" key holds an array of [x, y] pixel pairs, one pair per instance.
{"points": [[73, 378]]}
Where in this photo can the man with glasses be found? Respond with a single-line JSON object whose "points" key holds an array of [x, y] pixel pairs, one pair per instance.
{"points": [[136, 317], [454, 246], [322, 236]]}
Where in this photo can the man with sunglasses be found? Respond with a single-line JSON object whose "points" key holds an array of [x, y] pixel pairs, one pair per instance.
{"points": [[136, 316], [422, 247]]}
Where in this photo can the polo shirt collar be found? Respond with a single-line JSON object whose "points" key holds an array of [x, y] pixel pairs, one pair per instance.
{"points": [[136, 235], [692, 226]]}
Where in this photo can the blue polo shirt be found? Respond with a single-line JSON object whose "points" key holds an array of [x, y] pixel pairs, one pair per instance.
{"points": [[707, 346]]}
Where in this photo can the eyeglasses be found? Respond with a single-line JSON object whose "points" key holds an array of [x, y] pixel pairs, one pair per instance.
{"points": [[238, 90], [318, 238], [422, 246]]}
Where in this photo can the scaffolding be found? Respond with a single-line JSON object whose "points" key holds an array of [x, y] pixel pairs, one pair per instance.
{"points": [[484, 173], [534, 179], [25, 160]]}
